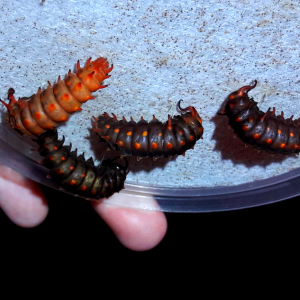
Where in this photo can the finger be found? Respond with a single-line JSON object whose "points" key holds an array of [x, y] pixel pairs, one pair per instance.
{"points": [[136, 229], [21, 198]]}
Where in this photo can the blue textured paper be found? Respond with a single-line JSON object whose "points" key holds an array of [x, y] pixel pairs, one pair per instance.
{"points": [[163, 51]]}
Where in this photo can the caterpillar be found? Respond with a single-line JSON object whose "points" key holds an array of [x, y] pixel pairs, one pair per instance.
{"points": [[154, 139], [45, 109], [263, 130], [76, 174]]}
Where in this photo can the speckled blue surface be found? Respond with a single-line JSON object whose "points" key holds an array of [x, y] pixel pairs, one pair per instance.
{"points": [[163, 51]]}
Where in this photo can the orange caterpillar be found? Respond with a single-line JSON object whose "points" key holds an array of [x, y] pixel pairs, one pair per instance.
{"points": [[46, 108]]}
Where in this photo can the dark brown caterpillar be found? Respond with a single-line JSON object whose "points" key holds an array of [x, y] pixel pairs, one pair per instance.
{"points": [[48, 107], [77, 174], [263, 130], [154, 139]]}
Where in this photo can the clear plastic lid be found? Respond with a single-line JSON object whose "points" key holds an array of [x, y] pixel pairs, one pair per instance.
{"points": [[17, 153]]}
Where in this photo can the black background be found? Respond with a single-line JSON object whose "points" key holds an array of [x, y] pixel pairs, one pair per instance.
{"points": [[73, 232]]}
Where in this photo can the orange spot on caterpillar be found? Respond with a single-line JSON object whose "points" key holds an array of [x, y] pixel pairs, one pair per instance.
{"points": [[37, 115], [251, 120], [59, 171], [238, 119], [245, 127], [182, 143], [191, 138], [145, 133], [65, 97], [282, 145], [63, 158], [296, 146], [116, 130], [83, 175], [256, 136], [26, 122], [120, 143], [64, 119], [292, 134], [160, 134], [269, 141], [137, 146], [180, 132], [52, 107], [169, 146], [279, 131], [72, 168], [231, 97], [72, 182], [55, 148], [51, 157], [154, 145], [107, 126], [129, 133], [231, 105], [84, 188]]}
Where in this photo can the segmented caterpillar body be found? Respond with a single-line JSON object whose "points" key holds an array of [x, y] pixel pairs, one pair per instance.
{"points": [[77, 174], [263, 130], [48, 107], [154, 139]]}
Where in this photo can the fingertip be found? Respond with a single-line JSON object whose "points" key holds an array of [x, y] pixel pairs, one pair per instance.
{"points": [[21, 199], [136, 229]]}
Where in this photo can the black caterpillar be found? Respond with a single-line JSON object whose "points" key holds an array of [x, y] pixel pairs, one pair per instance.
{"points": [[154, 139], [263, 130], [77, 174]]}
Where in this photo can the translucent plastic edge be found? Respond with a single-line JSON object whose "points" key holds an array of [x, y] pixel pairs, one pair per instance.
{"points": [[252, 194]]}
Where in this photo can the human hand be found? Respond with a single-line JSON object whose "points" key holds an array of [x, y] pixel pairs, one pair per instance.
{"points": [[24, 203]]}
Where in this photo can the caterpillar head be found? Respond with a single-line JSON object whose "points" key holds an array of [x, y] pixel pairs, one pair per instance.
{"points": [[14, 107], [191, 118], [238, 100], [191, 110], [100, 66], [111, 164]]}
